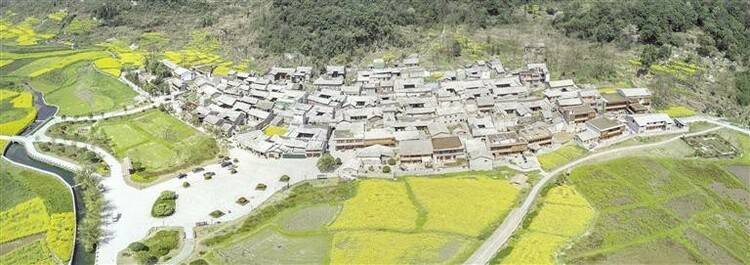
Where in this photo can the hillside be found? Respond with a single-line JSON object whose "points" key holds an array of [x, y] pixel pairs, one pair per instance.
{"points": [[689, 52]]}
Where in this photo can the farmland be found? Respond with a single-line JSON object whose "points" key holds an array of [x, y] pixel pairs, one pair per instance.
{"points": [[79, 89], [16, 111], [561, 156], [363, 228], [662, 209], [564, 214], [155, 142], [36, 218]]}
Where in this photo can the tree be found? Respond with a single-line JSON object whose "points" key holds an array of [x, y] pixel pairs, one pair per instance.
{"points": [[326, 163], [284, 178]]}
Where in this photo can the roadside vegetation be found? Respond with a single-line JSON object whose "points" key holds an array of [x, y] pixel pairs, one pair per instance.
{"points": [[90, 227], [563, 155]]}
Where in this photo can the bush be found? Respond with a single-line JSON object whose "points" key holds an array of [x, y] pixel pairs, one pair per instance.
{"points": [[261, 186], [327, 163], [199, 262], [216, 214], [185, 184], [164, 205], [391, 161], [137, 246], [284, 178], [386, 169]]}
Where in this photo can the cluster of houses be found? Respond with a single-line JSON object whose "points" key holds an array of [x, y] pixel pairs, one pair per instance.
{"points": [[471, 116]]}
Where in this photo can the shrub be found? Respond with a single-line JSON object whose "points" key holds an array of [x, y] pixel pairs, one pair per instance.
{"points": [[391, 161], [326, 163], [199, 262], [216, 214], [261, 186], [284, 178], [164, 205], [137, 246], [185, 184], [386, 169]]}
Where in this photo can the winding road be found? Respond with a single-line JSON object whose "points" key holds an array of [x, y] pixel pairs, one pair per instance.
{"points": [[500, 236]]}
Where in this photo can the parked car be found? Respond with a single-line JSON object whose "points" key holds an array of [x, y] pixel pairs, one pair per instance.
{"points": [[182, 176], [198, 169], [209, 174], [233, 171], [226, 164]]}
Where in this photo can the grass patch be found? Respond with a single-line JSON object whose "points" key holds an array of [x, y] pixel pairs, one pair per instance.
{"points": [[369, 247], [34, 253]]}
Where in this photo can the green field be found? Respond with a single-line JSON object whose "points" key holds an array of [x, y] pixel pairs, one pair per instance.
{"points": [[16, 111], [662, 210], [36, 218], [153, 139], [561, 156], [79, 89], [385, 222]]}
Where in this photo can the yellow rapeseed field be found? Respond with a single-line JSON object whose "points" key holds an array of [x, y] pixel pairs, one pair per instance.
{"points": [[534, 248], [465, 205], [26, 218], [60, 235], [22, 100], [564, 215], [380, 247], [109, 65], [379, 204]]}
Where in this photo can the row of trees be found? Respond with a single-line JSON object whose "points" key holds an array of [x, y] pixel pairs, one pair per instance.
{"points": [[90, 227], [655, 22]]}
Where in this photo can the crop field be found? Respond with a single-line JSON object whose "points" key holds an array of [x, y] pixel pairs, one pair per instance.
{"points": [[677, 111], [79, 89], [563, 216], [561, 156], [369, 247], [385, 222], [23, 32], [26, 218], [158, 141], [109, 65], [48, 64], [16, 111], [36, 253], [379, 204], [662, 210], [448, 201], [33, 204]]}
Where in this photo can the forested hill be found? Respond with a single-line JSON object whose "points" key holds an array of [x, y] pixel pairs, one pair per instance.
{"points": [[722, 25]]}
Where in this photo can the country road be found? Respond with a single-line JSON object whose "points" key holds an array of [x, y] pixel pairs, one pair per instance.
{"points": [[502, 234]]}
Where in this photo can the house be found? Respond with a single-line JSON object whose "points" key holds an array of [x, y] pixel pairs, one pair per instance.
{"points": [[479, 155], [336, 71], [652, 122], [416, 151], [605, 128], [641, 96], [578, 114], [614, 103], [506, 143], [563, 85], [349, 136], [379, 136], [587, 137], [375, 155], [535, 73], [447, 148], [536, 136], [322, 83]]}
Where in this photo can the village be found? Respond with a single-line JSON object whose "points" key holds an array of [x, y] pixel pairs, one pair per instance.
{"points": [[401, 115]]}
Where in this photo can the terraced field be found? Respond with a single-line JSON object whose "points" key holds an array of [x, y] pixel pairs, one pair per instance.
{"points": [[661, 209], [385, 222], [79, 89]]}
